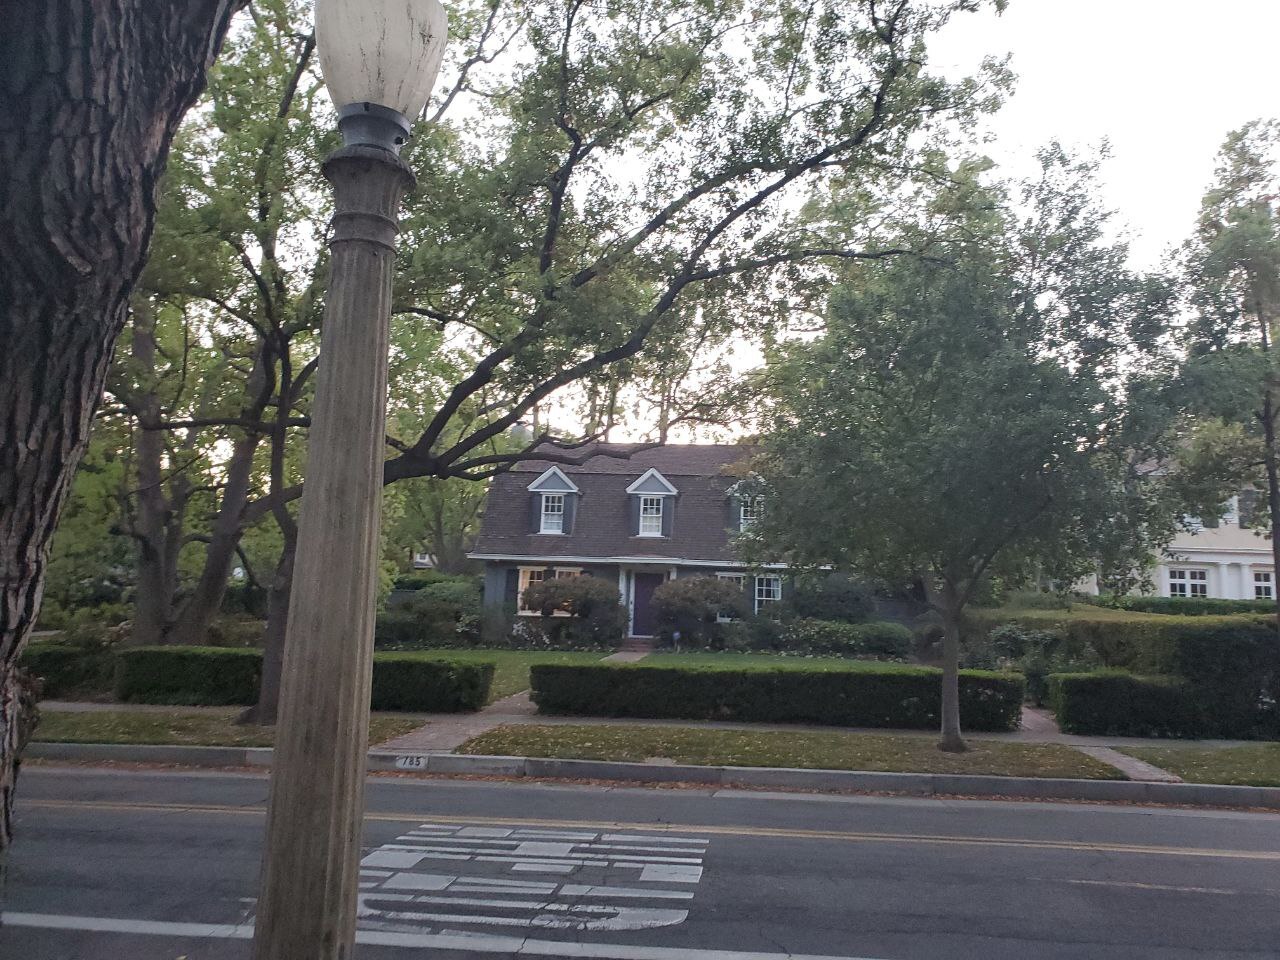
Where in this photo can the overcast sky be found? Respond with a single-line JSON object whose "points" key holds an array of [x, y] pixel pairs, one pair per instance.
{"points": [[1162, 80]]}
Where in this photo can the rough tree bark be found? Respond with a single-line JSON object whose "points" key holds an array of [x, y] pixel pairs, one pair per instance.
{"points": [[949, 602], [93, 91]]}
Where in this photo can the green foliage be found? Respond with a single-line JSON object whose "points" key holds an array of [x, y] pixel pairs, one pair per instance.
{"points": [[69, 671], [576, 613], [210, 676], [879, 695], [830, 597], [425, 578], [878, 640], [1187, 606], [693, 607], [236, 632], [404, 681], [1119, 704]]}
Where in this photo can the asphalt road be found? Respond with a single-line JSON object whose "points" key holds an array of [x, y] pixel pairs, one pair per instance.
{"points": [[140, 865]]}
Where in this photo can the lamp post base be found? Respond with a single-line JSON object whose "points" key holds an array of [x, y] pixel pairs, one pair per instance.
{"points": [[307, 904]]}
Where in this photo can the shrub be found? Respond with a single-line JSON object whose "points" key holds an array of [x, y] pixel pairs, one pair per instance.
{"points": [[425, 578], [693, 606], [406, 681], [1114, 703], [216, 676], [880, 695], [831, 597], [188, 675], [69, 671], [594, 619], [835, 638], [1186, 606]]}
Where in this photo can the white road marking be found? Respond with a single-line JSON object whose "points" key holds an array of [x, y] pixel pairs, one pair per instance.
{"points": [[411, 897], [476, 943]]}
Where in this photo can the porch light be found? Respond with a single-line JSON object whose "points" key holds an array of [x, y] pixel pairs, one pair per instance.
{"points": [[379, 59]]}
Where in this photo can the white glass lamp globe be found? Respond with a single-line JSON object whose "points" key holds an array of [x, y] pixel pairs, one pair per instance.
{"points": [[379, 59]]}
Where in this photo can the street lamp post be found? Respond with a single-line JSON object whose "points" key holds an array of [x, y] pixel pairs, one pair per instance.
{"points": [[380, 59]]}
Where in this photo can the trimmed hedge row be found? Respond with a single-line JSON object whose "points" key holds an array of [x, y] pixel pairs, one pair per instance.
{"points": [[868, 696], [216, 676], [65, 670], [208, 676], [1187, 606], [1117, 704], [876, 639]]}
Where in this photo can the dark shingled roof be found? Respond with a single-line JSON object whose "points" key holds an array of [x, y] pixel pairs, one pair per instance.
{"points": [[602, 527]]}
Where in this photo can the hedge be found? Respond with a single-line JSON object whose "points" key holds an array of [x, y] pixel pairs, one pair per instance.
{"points": [[1230, 665], [65, 670], [1187, 606], [878, 639], [879, 695], [407, 681], [1118, 704], [208, 676], [217, 676]]}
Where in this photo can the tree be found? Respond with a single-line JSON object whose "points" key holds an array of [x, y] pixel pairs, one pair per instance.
{"points": [[604, 193], [1232, 271], [968, 414], [95, 90]]}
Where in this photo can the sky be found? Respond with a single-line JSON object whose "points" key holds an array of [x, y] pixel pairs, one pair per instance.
{"points": [[1162, 80]]}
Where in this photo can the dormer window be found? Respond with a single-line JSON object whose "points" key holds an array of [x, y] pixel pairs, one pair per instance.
{"points": [[552, 513], [749, 511], [553, 499], [652, 505], [650, 517]]}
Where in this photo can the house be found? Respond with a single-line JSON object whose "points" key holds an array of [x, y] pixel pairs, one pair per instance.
{"points": [[655, 514], [1226, 558]]}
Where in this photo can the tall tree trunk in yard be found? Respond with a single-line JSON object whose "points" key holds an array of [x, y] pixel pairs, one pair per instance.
{"points": [[951, 608], [93, 92], [264, 711], [195, 614]]}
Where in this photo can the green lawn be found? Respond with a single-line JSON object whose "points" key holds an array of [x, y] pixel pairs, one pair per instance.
{"points": [[512, 666], [827, 751], [1255, 765], [213, 728]]}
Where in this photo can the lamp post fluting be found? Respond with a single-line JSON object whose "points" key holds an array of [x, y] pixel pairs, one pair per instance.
{"points": [[379, 59]]}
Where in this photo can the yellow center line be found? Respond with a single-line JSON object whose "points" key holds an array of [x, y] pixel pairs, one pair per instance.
{"points": [[778, 833]]}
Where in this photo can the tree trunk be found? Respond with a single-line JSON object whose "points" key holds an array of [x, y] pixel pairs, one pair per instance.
{"points": [[263, 713], [192, 622], [94, 91], [952, 612]]}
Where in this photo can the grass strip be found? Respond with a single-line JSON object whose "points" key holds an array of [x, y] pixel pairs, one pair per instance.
{"points": [[206, 728], [1253, 765], [803, 749]]}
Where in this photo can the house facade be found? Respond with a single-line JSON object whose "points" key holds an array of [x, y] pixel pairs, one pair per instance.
{"points": [[1228, 559], [638, 520]]}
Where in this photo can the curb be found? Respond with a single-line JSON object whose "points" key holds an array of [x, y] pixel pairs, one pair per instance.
{"points": [[830, 781]]}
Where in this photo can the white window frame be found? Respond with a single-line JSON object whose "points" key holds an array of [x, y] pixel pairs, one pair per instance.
{"points": [[653, 526], [738, 579], [1264, 585], [1188, 582], [768, 589], [526, 577], [749, 511], [552, 520]]}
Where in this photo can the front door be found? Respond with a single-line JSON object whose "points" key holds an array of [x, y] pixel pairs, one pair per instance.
{"points": [[642, 622]]}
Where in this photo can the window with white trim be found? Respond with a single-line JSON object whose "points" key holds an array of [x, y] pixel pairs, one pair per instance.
{"points": [[651, 516], [1263, 585], [1188, 583], [768, 590], [532, 575], [749, 511], [552, 513], [737, 580]]}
